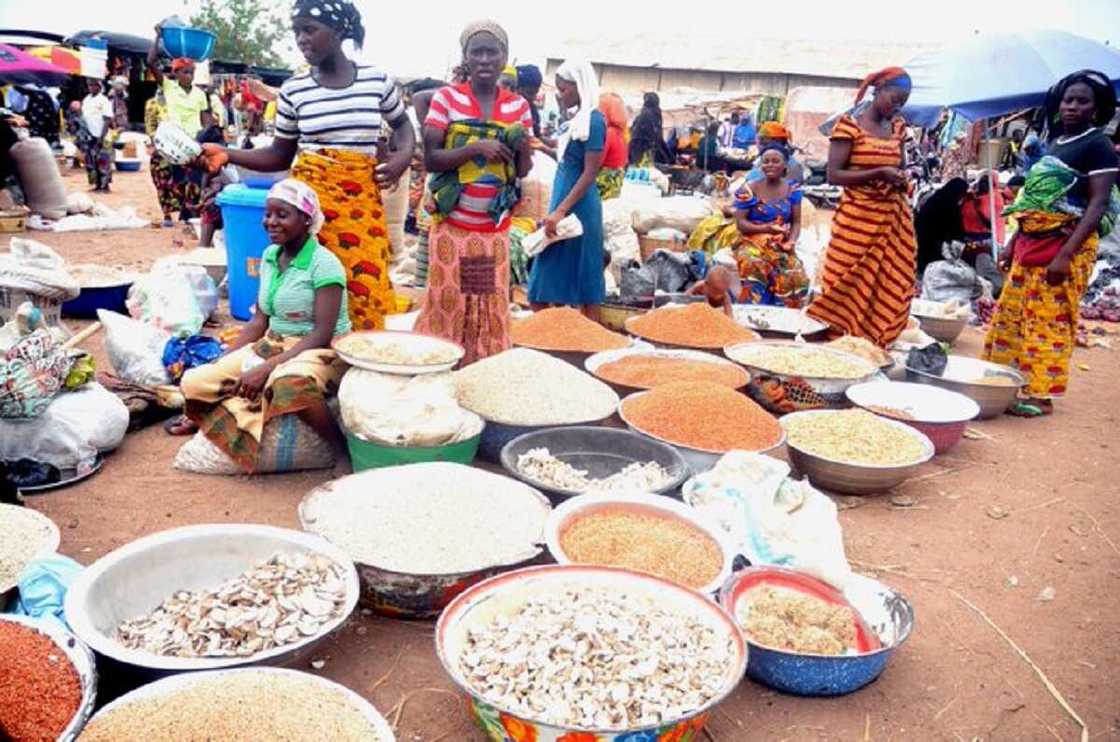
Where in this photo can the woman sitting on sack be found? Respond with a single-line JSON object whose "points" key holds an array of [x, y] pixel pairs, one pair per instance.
{"points": [[281, 363]]}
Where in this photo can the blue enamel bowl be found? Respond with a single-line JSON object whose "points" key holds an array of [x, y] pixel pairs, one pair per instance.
{"points": [[884, 611]]}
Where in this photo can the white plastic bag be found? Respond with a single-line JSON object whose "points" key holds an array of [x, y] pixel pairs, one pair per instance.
{"points": [[568, 228], [37, 269], [682, 213], [135, 349], [166, 298], [71, 432], [287, 445], [771, 518], [79, 203]]}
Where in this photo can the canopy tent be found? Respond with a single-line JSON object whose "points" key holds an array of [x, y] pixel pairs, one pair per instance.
{"points": [[120, 43], [20, 68], [994, 74]]}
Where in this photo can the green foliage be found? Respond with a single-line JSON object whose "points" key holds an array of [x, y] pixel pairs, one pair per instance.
{"points": [[248, 31]]}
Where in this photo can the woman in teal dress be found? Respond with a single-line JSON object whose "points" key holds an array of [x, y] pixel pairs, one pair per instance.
{"points": [[570, 273]]}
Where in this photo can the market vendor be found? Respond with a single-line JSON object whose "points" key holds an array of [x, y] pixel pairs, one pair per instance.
{"points": [[768, 216], [868, 273], [772, 131], [281, 363], [328, 122], [616, 150], [1063, 211], [476, 145], [570, 272]]}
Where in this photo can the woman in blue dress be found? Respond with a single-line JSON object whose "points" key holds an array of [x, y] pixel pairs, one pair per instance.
{"points": [[570, 272]]}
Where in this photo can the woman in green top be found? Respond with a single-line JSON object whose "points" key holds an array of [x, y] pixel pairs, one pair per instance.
{"points": [[281, 363]]}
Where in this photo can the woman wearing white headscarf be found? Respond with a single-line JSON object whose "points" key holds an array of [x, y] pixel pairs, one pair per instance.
{"points": [[570, 272], [281, 363]]}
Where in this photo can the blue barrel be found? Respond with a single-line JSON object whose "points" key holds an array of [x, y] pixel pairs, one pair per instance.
{"points": [[243, 216]]}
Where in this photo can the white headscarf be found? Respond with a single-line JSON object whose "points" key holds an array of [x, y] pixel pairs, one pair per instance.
{"points": [[587, 83], [301, 196]]}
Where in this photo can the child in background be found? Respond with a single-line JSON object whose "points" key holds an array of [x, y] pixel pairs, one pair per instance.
{"points": [[716, 288]]}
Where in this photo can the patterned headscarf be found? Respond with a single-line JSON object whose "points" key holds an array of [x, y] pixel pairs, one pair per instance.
{"points": [[484, 26], [303, 197], [890, 77], [341, 15], [775, 145]]}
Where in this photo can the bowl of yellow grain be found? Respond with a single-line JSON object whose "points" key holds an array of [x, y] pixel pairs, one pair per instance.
{"points": [[645, 533]]}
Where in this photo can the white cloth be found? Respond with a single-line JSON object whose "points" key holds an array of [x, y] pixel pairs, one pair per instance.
{"points": [[95, 109], [568, 228], [587, 83]]}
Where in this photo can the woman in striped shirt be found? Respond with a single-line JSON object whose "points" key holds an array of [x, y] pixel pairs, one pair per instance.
{"points": [[868, 277], [331, 117], [476, 145]]}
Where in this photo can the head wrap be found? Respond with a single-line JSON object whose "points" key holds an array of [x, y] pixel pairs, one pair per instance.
{"points": [[587, 83], [340, 15], [182, 63], [889, 77], [510, 71], [652, 101], [774, 145], [614, 110], [773, 130], [484, 26], [1104, 96], [529, 76], [303, 197]]}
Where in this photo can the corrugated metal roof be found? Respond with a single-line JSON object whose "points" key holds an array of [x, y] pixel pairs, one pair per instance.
{"points": [[848, 60]]}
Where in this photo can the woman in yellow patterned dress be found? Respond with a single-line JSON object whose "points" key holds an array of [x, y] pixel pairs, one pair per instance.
{"points": [[328, 122], [1067, 203]]}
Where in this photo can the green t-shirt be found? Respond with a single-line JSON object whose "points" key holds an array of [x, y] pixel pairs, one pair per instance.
{"points": [[288, 297], [185, 108]]}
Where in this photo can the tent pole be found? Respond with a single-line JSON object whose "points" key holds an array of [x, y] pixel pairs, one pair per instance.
{"points": [[992, 215]]}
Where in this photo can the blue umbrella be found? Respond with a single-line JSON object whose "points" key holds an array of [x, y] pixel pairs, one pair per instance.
{"points": [[994, 74]]}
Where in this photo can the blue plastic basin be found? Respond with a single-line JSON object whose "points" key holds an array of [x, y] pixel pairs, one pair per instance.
{"points": [[193, 43]]}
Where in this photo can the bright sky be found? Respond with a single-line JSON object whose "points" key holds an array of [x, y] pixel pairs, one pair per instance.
{"points": [[413, 38]]}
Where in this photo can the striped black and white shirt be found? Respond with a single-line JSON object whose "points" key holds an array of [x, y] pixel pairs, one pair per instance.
{"points": [[343, 118]]}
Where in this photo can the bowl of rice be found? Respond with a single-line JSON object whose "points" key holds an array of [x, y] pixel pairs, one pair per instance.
{"points": [[939, 414], [810, 639], [396, 352], [854, 451], [650, 534], [825, 373]]}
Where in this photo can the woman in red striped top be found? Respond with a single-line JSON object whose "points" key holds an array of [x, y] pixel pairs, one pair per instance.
{"points": [[478, 133], [868, 277]]}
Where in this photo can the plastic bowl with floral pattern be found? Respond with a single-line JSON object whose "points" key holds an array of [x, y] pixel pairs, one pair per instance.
{"points": [[505, 593]]}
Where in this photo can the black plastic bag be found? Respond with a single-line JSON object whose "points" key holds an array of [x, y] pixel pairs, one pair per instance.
{"points": [[28, 473], [931, 359], [664, 271]]}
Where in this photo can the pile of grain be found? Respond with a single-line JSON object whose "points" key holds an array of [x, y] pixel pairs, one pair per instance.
{"points": [[564, 329], [805, 360], [854, 437], [527, 387], [704, 416], [863, 348], [241, 706], [648, 371], [690, 326], [796, 622], [398, 348], [430, 519], [24, 534], [649, 542]]}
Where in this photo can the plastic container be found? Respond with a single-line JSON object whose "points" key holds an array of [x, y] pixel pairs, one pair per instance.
{"points": [[365, 455], [193, 43], [246, 240], [128, 166]]}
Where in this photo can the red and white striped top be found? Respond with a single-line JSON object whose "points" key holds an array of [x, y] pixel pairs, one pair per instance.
{"points": [[457, 103]]}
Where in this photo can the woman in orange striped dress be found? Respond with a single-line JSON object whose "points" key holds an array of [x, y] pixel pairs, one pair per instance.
{"points": [[868, 277]]}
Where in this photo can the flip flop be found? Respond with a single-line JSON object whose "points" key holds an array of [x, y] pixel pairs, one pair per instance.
{"points": [[180, 427], [1027, 410]]}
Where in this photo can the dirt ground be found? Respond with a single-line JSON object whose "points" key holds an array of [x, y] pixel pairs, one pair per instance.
{"points": [[1033, 505]]}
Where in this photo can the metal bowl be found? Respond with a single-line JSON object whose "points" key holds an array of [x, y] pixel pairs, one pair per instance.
{"points": [[699, 460], [597, 361], [179, 683], [80, 657], [945, 329], [853, 479], [600, 452], [504, 594], [939, 414], [831, 390], [496, 436], [580, 507], [960, 375], [413, 595], [137, 577], [51, 540], [399, 368], [884, 611], [778, 321]]}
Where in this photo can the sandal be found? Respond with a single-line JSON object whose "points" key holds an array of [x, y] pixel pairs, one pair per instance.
{"points": [[180, 426]]}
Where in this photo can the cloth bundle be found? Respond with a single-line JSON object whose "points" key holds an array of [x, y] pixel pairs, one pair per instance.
{"points": [[419, 412], [32, 373]]}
